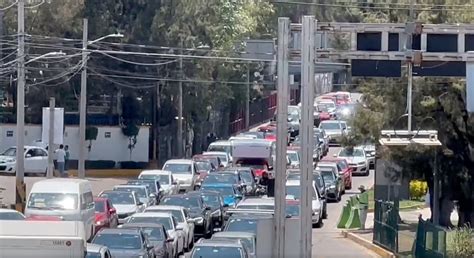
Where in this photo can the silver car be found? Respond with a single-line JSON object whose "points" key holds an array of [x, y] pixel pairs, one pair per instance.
{"points": [[335, 129]]}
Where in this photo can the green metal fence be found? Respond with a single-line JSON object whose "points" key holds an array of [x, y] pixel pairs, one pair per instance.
{"points": [[430, 240], [386, 225]]}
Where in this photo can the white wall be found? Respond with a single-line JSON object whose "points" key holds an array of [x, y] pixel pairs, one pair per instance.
{"points": [[113, 148]]}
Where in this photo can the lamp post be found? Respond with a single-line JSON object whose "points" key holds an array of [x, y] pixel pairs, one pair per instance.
{"points": [[83, 97]]}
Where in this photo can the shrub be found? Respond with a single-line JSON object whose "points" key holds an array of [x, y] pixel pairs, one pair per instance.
{"points": [[460, 243], [133, 165], [418, 189]]}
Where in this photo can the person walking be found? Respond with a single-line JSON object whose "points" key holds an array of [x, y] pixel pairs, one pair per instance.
{"points": [[66, 158], [60, 159]]}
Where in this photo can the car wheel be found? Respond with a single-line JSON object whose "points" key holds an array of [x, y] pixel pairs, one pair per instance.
{"points": [[325, 212], [338, 198]]}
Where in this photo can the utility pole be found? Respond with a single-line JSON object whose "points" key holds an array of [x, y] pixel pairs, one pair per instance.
{"points": [[83, 104], [306, 129], [50, 171], [409, 51], [180, 107], [20, 111], [282, 131], [247, 99]]}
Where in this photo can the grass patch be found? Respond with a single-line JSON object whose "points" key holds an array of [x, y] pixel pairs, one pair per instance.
{"points": [[404, 204]]}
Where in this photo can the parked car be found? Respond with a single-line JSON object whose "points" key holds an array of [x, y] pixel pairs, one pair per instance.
{"points": [[185, 171], [125, 242], [343, 168], [9, 214], [217, 249], [36, 160], [157, 236], [225, 146], [215, 160], [319, 183], [198, 212], [335, 129], [126, 203], [370, 152], [357, 160], [223, 156], [182, 217], [168, 183], [249, 240], [333, 183], [230, 192], [215, 201], [105, 214], [141, 191], [154, 187], [97, 251], [293, 188], [169, 222]]}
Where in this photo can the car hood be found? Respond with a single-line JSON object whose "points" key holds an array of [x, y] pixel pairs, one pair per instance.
{"points": [[333, 131], [124, 253], [184, 178], [99, 216], [195, 212], [354, 160], [6, 159], [125, 208]]}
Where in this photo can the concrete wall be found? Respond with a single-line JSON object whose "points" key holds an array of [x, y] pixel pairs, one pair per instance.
{"points": [[113, 148]]}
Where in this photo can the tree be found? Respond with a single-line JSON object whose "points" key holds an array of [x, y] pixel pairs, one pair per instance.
{"points": [[130, 119]]}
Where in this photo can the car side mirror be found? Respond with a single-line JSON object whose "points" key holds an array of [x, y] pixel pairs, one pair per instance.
{"points": [[240, 197], [112, 211], [170, 239], [28, 155], [226, 205], [207, 208], [270, 167], [149, 246], [175, 183], [140, 203], [334, 155], [153, 196], [190, 220], [179, 227]]}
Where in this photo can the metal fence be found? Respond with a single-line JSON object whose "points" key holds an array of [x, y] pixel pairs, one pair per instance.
{"points": [[386, 225], [430, 240]]}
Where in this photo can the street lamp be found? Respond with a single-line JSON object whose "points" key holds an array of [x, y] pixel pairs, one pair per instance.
{"points": [[83, 98]]}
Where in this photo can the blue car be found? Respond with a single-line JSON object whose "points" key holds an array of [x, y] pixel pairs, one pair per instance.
{"points": [[229, 192]]}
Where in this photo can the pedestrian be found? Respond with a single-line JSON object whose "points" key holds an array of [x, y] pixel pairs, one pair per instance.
{"points": [[60, 158], [66, 158]]}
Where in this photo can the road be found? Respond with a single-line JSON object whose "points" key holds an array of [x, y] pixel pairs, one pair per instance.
{"points": [[328, 241]]}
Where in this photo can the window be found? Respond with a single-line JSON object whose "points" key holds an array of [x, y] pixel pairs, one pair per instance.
{"points": [[87, 201], [9, 133], [40, 153], [107, 135]]}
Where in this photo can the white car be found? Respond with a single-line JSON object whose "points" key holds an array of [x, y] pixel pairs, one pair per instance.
{"points": [[293, 188], [142, 192], [294, 158], [225, 146], [169, 222], [357, 160], [223, 156], [183, 219], [169, 185], [36, 160], [126, 203], [185, 171]]}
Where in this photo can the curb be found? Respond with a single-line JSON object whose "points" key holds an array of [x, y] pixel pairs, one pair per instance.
{"points": [[367, 244], [417, 206], [120, 173]]}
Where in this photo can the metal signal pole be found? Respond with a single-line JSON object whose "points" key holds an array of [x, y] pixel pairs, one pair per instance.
{"points": [[83, 104]]}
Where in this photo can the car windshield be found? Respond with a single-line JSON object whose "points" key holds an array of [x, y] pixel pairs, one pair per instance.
{"points": [[211, 200], [118, 241], [10, 152], [150, 183], [187, 202], [178, 214], [99, 206], [293, 176], [242, 225], [330, 126], [223, 148], [247, 176], [154, 234], [294, 190], [328, 176], [293, 156], [351, 153], [53, 201], [139, 191], [217, 252], [252, 163], [318, 179], [223, 190], [165, 221], [293, 210], [322, 107], [247, 242], [118, 198], [178, 168], [203, 165], [226, 178], [163, 179], [11, 216]]}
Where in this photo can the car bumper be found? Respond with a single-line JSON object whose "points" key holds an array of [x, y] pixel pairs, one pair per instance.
{"points": [[9, 169], [335, 139], [359, 169], [331, 195], [185, 187]]}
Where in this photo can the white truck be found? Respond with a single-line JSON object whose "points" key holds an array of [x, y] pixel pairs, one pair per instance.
{"points": [[256, 153], [42, 239]]}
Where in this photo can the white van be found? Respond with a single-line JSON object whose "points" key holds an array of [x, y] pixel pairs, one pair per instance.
{"points": [[42, 239], [67, 199]]}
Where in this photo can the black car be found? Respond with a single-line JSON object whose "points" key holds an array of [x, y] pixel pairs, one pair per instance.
{"points": [[153, 185], [218, 207], [249, 180], [125, 242], [198, 211], [245, 222], [157, 236]]}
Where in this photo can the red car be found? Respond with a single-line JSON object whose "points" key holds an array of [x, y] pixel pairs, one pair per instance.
{"points": [[345, 170], [105, 214]]}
